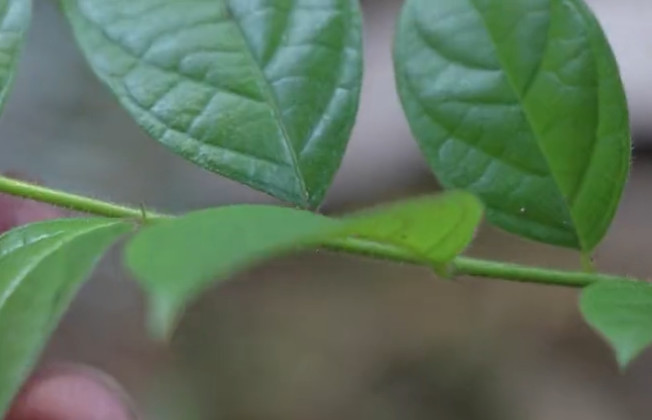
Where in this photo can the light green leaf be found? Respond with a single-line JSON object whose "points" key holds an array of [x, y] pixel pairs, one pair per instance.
{"points": [[41, 267], [434, 229], [14, 20], [175, 259], [622, 313], [520, 102], [262, 91]]}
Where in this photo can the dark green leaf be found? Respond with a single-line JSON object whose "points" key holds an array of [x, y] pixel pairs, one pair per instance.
{"points": [[520, 102], [14, 20], [622, 313], [262, 91], [41, 267], [177, 258]]}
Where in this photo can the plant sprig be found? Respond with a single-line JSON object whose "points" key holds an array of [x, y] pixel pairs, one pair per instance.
{"points": [[461, 265], [517, 106]]}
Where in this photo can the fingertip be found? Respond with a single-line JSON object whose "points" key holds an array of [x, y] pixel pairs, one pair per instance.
{"points": [[71, 392]]}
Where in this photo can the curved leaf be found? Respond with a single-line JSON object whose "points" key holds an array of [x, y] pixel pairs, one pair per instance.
{"points": [[262, 91], [14, 20], [41, 267], [175, 259], [622, 313], [435, 229], [521, 103]]}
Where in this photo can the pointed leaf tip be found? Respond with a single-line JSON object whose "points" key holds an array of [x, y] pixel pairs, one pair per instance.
{"points": [[516, 112], [262, 92], [622, 313]]}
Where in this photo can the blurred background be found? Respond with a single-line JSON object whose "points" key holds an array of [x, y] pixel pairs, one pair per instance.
{"points": [[321, 336]]}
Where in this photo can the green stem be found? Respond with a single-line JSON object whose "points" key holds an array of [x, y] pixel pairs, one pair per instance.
{"points": [[477, 267], [461, 265], [526, 274], [70, 201]]}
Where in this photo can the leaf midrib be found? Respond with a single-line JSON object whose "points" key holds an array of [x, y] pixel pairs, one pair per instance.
{"points": [[272, 101], [526, 111]]}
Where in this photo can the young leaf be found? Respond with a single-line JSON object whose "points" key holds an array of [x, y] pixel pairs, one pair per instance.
{"points": [[263, 91], [433, 228], [41, 267], [622, 313], [175, 259], [14, 20], [521, 103]]}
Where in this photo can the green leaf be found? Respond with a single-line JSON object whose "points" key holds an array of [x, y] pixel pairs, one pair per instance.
{"points": [[434, 229], [622, 313], [176, 259], [41, 267], [521, 103], [262, 91], [14, 20]]}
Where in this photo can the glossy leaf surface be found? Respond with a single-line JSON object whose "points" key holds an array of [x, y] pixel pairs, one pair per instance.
{"points": [[521, 103], [14, 20], [42, 266], [176, 259], [622, 313], [262, 91]]}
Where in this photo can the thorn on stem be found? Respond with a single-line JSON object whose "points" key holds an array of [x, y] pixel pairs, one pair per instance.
{"points": [[143, 213]]}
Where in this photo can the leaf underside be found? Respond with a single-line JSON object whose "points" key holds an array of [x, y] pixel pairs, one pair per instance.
{"points": [[41, 267], [176, 259], [521, 103], [262, 91], [622, 313]]}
